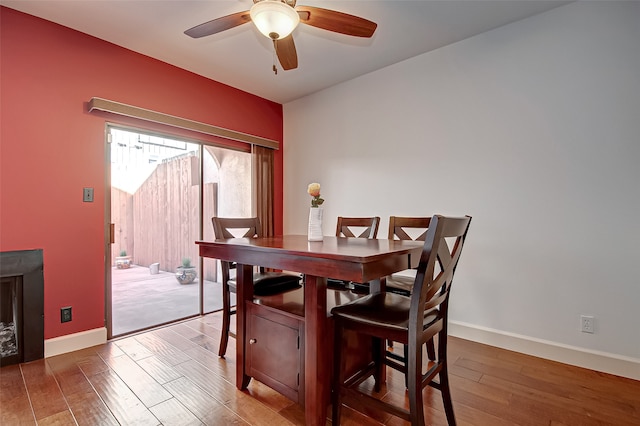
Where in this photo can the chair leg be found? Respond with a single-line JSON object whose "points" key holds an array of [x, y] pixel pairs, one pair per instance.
{"points": [[414, 386], [446, 395], [445, 389], [336, 400], [431, 350], [226, 320], [378, 355], [405, 349]]}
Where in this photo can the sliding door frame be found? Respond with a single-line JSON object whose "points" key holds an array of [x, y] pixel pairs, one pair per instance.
{"points": [[108, 229]]}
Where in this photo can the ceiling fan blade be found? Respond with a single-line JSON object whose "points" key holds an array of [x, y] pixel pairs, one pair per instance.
{"points": [[219, 24], [337, 22], [286, 51]]}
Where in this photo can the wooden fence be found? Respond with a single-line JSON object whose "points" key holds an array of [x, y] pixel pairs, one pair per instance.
{"points": [[159, 223]]}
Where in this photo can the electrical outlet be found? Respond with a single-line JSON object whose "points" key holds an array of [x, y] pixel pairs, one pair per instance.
{"points": [[586, 324], [65, 314], [87, 195]]}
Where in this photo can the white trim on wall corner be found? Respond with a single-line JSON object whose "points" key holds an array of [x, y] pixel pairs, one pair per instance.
{"points": [[73, 342], [572, 355]]}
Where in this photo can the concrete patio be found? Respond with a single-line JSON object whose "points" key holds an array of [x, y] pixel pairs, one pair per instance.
{"points": [[141, 300]]}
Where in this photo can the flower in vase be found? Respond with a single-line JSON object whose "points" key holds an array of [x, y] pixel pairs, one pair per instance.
{"points": [[314, 191]]}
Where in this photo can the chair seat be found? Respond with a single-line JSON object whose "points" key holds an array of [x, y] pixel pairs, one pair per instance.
{"points": [[386, 311], [270, 283], [402, 284]]}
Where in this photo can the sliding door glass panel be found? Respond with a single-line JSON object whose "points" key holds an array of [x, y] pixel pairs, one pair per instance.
{"points": [[226, 193], [155, 209]]}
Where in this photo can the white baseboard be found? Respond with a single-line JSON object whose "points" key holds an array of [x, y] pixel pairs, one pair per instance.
{"points": [[74, 342], [572, 355], [581, 357]]}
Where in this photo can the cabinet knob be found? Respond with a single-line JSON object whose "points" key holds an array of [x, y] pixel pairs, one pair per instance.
{"points": [[252, 341]]}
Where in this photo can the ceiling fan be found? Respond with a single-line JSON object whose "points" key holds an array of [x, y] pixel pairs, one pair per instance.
{"points": [[276, 19]]}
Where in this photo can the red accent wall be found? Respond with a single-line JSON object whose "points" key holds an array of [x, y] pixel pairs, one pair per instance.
{"points": [[51, 147]]}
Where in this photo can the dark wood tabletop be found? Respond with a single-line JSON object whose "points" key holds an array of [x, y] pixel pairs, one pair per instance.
{"points": [[353, 259], [360, 259]]}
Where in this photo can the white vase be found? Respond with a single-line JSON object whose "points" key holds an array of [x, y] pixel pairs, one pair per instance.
{"points": [[315, 224]]}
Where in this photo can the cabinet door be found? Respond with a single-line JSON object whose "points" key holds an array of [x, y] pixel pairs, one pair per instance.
{"points": [[274, 355]]}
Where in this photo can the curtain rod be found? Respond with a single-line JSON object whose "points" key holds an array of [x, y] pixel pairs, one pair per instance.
{"points": [[106, 105]]}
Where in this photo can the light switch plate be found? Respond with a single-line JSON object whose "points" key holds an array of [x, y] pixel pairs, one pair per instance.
{"points": [[87, 195]]}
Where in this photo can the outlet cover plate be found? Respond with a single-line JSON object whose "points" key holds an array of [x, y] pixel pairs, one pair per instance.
{"points": [[587, 324], [65, 314]]}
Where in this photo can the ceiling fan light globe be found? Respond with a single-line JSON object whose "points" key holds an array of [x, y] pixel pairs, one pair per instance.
{"points": [[273, 18]]}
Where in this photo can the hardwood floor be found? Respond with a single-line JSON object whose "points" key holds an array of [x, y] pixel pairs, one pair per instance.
{"points": [[172, 376]]}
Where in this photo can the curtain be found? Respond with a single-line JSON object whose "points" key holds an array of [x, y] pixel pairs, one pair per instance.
{"points": [[264, 187]]}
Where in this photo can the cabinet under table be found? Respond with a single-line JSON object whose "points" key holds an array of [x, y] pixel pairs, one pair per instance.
{"points": [[275, 349]]}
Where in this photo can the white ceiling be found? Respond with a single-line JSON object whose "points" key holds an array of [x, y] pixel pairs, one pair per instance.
{"points": [[241, 57]]}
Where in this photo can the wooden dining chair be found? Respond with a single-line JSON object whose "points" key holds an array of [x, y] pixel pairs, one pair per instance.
{"points": [[264, 283], [408, 229], [360, 227], [412, 320], [355, 227]]}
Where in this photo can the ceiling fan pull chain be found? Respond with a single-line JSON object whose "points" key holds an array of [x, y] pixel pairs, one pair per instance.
{"points": [[275, 69]]}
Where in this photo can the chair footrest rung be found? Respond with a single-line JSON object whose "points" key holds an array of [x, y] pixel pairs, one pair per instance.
{"points": [[360, 376], [358, 398], [427, 378], [396, 365], [395, 356], [435, 385]]}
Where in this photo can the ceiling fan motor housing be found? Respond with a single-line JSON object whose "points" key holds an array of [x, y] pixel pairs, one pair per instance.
{"points": [[275, 19]]}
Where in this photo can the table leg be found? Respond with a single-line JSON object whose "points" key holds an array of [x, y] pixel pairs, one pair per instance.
{"points": [[317, 366], [244, 292], [377, 286]]}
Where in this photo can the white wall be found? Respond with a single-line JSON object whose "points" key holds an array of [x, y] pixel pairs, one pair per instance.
{"points": [[534, 130]]}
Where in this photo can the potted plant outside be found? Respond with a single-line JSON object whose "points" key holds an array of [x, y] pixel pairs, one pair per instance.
{"points": [[123, 261], [186, 273]]}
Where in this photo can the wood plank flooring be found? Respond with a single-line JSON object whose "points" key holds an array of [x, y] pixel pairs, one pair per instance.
{"points": [[172, 376]]}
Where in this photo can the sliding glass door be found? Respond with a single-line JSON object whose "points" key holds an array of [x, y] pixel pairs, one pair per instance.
{"points": [[163, 194]]}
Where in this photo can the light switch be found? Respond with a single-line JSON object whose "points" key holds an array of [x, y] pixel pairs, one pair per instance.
{"points": [[87, 195]]}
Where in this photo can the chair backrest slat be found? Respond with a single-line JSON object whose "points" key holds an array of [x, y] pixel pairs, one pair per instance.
{"points": [[249, 227], [398, 226], [347, 226], [223, 227]]}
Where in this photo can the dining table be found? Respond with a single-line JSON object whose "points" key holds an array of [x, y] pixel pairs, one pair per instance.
{"points": [[358, 260]]}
